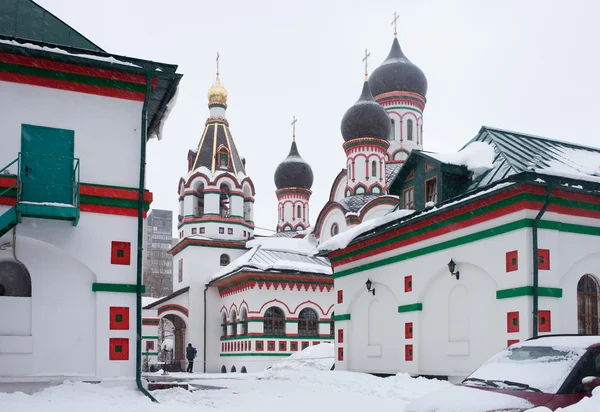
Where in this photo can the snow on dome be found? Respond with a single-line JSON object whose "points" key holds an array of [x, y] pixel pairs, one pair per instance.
{"points": [[478, 157], [319, 357]]}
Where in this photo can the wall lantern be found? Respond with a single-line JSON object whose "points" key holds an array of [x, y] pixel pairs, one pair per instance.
{"points": [[451, 267], [368, 283]]}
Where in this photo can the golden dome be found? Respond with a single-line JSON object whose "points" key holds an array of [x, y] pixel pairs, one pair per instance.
{"points": [[217, 93]]}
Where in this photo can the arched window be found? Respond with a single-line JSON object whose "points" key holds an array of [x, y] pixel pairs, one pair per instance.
{"points": [[224, 325], [308, 323], [335, 229], [244, 370], [244, 322], [233, 370], [224, 260], [588, 295], [299, 211], [14, 280], [349, 174], [274, 323], [223, 158], [233, 323], [224, 201], [200, 201], [409, 129], [392, 129], [223, 369], [332, 325], [374, 168]]}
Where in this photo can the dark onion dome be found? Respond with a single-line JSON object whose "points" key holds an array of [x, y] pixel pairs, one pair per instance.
{"points": [[366, 118], [397, 73], [294, 171]]}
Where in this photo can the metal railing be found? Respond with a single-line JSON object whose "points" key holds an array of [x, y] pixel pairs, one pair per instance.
{"points": [[74, 186]]}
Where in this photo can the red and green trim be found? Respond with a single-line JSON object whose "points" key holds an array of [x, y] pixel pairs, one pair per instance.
{"points": [[103, 199], [173, 307], [214, 218], [463, 216], [287, 336], [206, 243], [150, 321], [71, 77]]}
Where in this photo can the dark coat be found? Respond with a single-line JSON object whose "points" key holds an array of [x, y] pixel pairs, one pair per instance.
{"points": [[190, 352]]}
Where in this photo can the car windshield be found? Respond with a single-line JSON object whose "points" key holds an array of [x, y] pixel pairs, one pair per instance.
{"points": [[539, 368]]}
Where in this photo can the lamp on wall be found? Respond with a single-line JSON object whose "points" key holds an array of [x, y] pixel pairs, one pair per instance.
{"points": [[368, 283], [451, 267]]}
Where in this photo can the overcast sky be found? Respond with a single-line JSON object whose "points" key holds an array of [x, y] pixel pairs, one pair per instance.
{"points": [[524, 65]]}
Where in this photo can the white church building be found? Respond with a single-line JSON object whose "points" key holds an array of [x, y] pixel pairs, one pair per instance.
{"points": [[75, 121], [436, 261]]}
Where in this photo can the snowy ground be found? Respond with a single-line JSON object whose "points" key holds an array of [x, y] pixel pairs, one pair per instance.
{"points": [[303, 382]]}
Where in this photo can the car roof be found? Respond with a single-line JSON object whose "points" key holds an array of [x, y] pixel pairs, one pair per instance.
{"points": [[570, 341]]}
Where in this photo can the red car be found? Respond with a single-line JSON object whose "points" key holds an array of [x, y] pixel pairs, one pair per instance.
{"points": [[552, 371]]}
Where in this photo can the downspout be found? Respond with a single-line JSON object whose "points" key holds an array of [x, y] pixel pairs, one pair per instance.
{"points": [[204, 337], [140, 241], [536, 282]]}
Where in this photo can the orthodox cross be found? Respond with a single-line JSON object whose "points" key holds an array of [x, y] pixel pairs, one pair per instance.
{"points": [[367, 54], [217, 63], [394, 22], [294, 128]]}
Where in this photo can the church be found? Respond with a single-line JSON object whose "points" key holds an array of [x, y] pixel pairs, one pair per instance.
{"points": [[245, 301], [420, 262]]}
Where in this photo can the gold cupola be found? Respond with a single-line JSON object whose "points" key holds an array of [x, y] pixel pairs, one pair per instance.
{"points": [[217, 95]]}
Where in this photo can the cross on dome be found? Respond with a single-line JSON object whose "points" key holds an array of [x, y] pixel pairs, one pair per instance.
{"points": [[365, 59], [394, 23], [294, 128]]}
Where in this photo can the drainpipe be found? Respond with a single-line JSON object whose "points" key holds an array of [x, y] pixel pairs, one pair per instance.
{"points": [[536, 282], [138, 352], [205, 289]]}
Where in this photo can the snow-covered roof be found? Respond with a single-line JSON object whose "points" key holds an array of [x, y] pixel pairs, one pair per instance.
{"points": [[343, 239], [353, 204], [477, 157], [391, 171], [518, 152], [58, 50], [277, 254]]}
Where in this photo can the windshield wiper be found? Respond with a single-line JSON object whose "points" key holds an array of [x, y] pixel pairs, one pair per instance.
{"points": [[487, 382], [518, 384]]}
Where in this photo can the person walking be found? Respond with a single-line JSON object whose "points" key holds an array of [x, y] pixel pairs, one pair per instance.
{"points": [[190, 354]]}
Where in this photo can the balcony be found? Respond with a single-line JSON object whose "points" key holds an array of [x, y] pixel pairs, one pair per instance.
{"points": [[45, 187]]}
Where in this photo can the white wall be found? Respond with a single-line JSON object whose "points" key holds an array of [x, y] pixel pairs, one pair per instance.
{"points": [[63, 315], [462, 323], [105, 128]]}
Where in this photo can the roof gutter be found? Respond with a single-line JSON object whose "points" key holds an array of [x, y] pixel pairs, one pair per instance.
{"points": [[140, 241], [535, 226]]}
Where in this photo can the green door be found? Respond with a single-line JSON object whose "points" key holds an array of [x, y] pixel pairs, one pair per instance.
{"points": [[47, 164]]}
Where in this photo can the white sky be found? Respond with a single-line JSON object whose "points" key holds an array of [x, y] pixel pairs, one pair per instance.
{"points": [[529, 66]]}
